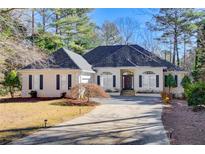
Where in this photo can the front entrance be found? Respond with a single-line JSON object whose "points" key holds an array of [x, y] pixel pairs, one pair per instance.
{"points": [[127, 79], [128, 82]]}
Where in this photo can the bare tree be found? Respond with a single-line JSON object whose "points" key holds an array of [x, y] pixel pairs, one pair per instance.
{"points": [[128, 28], [146, 39], [110, 33]]}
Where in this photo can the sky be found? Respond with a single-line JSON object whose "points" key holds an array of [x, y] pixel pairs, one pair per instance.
{"points": [[112, 14], [140, 15]]}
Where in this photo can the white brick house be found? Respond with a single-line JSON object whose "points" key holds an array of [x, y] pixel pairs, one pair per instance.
{"points": [[115, 68]]}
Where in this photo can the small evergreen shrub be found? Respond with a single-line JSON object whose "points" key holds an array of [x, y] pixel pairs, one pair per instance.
{"points": [[12, 82], [3, 91], [186, 81], [195, 94], [33, 94], [170, 82]]}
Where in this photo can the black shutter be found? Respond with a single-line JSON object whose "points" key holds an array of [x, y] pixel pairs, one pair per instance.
{"points": [[41, 82], [157, 80], [165, 81], [30, 82], [69, 81], [140, 80], [57, 82], [98, 80], [114, 81], [176, 80]]}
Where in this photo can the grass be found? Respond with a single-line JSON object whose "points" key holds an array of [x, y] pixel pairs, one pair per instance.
{"points": [[18, 119]]}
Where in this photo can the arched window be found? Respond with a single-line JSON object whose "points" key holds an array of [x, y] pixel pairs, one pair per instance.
{"points": [[148, 72], [106, 73]]}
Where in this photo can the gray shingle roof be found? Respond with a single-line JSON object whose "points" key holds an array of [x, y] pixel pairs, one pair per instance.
{"points": [[125, 55], [62, 58]]}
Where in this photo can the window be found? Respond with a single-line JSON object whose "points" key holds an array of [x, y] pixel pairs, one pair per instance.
{"points": [[165, 81], [140, 80], [176, 80], [114, 81], [57, 82], [157, 80], [41, 82], [98, 80], [30, 82], [69, 81]]}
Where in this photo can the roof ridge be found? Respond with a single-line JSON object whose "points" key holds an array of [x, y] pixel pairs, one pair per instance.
{"points": [[81, 58], [111, 54], [143, 54]]}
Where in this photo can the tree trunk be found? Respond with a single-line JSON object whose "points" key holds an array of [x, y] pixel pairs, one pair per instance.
{"points": [[11, 92], [174, 52], [170, 58], [177, 51], [165, 55], [184, 50], [56, 23], [33, 26], [169, 90], [43, 19]]}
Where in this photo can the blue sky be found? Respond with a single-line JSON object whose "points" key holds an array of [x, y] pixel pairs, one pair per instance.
{"points": [[112, 14], [140, 15]]}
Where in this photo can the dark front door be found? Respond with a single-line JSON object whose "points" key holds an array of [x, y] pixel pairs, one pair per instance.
{"points": [[128, 81]]}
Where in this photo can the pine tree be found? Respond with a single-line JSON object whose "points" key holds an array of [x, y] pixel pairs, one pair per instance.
{"points": [[75, 28], [175, 23], [199, 69]]}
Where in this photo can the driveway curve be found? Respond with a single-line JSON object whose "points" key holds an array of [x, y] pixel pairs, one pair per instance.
{"points": [[118, 120]]}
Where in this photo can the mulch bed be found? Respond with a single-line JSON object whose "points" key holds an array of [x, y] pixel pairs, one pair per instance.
{"points": [[188, 126], [25, 100], [73, 102]]}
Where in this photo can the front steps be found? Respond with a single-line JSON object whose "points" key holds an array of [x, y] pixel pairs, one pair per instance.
{"points": [[127, 93]]}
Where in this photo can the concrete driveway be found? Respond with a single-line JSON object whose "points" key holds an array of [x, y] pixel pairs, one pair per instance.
{"points": [[119, 120]]}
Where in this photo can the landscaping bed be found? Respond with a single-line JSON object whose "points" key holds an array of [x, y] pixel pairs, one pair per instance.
{"points": [[188, 126], [22, 116], [71, 102]]}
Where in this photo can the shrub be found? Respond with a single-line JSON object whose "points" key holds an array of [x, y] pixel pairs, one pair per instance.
{"points": [[170, 82], [33, 94], [3, 91], [91, 90], [12, 82], [195, 94], [166, 97], [63, 95], [186, 81]]}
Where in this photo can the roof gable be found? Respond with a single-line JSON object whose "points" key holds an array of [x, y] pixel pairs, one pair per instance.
{"points": [[62, 58]]}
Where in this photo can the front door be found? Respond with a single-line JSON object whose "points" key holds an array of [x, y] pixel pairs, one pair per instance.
{"points": [[128, 82]]}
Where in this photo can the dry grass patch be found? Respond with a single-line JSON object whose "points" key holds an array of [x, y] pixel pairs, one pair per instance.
{"points": [[18, 119]]}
